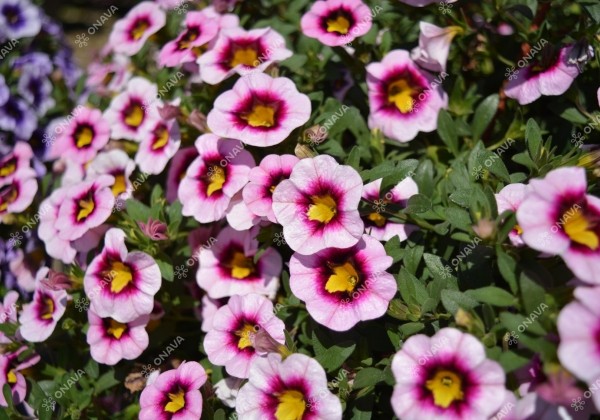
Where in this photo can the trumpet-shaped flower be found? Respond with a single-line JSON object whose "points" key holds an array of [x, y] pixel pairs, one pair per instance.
{"points": [[131, 32]]}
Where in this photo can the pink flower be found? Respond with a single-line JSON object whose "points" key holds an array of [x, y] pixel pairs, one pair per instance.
{"points": [[230, 342], [446, 376], [61, 249], [344, 286], [318, 205], [337, 22], [131, 32], [160, 142], [403, 98], [549, 74], [175, 394], [179, 164], [434, 45], [10, 373], [18, 191], [117, 164], [510, 198], [154, 229], [558, 217], [8, 313], [259, 110], [18, 158]]}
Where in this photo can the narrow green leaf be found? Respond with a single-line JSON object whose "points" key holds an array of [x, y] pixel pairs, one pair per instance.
{"points": [[484, 114]]}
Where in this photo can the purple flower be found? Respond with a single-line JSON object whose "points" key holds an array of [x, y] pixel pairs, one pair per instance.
{"points": [[37, 61], [19, 19], [37, 91], [17, 117], [4, 91], [154, 229]]}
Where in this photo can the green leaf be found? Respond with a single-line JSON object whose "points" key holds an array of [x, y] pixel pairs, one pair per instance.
{"points": [[436, 266], [508, 268], [402, 170], [354, 158], [367, 377], [511, 361], [331, 358], [105, 382], [453, 300], [532, 293], [410, 328], [492, 295], [533, 136], [447, 131], [484, 114], [418, 203], [166, 269], [411, 289], [137, 211], [6, 391], [92, 369]]}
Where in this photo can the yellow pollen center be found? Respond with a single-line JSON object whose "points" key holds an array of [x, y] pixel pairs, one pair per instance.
{"points": [[139, 29], [400, 93], [120, 275], [86, 207], [245, 333], [187, 39], [216, 180], [176, 402], [8, 197], [580, 229], [241, 266], [291, 405], [48, 309], [322, 209], [161, 138], [134, 115], [8, 168], [446, 387], [83, 136], [116, 329], [343, 279], [518, 229], [245, 56], [341, 25], [377, 218], [120, 185], [11, 377], [261, 116]]}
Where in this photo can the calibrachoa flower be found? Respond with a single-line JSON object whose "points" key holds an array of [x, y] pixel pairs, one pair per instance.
{"points": [[318, 205], [8, 313], [227, 268], [456, 380], [239, 51], [175, 394], [376, 223], [214, 177], [179, 164], [121, 284], [403, 98], [258, 193], [337, 22], [10, 373], [230, 342], [344, 286], [17, 117], [434, 45], [295, 388], [112, 341], [130, 33], [56, 247], [19, 158], [129, 114], [19, 19], [86, 134], [39, 318], [159, 144], [579, 329], [510, 198], [259, 110], [559, 218], [16, 194], [550, 75], [117, 164]]}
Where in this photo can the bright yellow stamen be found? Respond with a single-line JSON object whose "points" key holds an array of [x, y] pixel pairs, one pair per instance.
{"points": [[377, 218], [343, 279], [116, 329], [241, 266], [120, 275], [176, 403], [322, 209], [11, 377], [446, 387], [161, 138], [86, 207], [341, 25], [9, 197], [48, 310], [83, 136], [189, 37], [291, 405], [216, 180], [580, 230], [246, 56], [120, 185], [141, 26], [518, 229], [245, 333], [8, 168], [134, 115], [400, 93], [261, 116]]}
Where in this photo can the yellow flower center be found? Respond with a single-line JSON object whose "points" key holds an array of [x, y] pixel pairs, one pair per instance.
{"points": [[246, 56], [134, 115], [580, 229], [340, 24], [116, 329], [261, 116], [11, 377], [343, 279], [190, 36], [176, 402], [120, 276], [400, 93], [120, 185], [446, 387], [85, 207], [518, 229], [216, 179], [241, 266], [161, 138], [291, 405], [140, 27], [48, 308], [8, 168], [83, 136], [245, 333], [322, 209], [377, 218], [8, 197]]}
